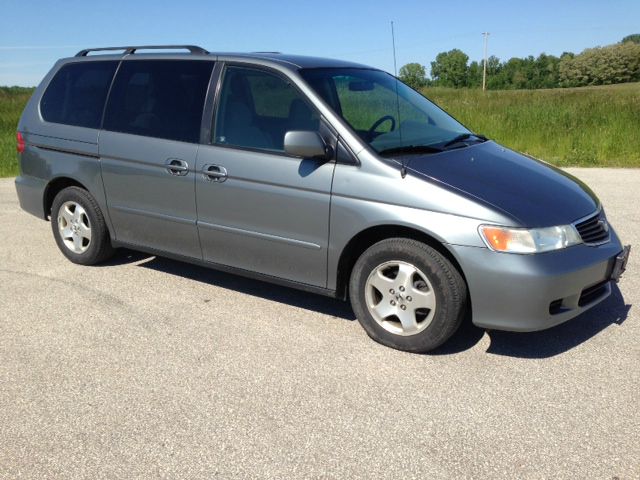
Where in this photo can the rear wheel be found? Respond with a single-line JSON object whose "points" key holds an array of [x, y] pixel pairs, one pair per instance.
{"points": [[407, 295], [79, 227]]}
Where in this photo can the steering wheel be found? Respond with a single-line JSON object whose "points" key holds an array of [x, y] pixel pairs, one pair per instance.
{"points": [[380, 121]]}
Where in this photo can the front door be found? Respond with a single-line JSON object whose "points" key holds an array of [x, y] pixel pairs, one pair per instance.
{"points": [[148, 152], [259, 209]]}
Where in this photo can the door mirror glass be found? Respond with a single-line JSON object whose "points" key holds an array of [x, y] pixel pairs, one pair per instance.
{"points": [[304, 144]]}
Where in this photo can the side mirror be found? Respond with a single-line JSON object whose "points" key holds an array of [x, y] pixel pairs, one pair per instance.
{"points": [[305, 144]]}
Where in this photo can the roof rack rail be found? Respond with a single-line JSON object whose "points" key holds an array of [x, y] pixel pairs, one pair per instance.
{"points": [[193, 49]]}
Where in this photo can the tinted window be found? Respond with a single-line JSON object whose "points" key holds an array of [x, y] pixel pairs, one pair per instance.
{"points": [[159, 98], [257, 108], [77, 93]]}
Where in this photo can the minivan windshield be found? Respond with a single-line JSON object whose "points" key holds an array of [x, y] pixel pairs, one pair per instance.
{"points": [[387, 114]]}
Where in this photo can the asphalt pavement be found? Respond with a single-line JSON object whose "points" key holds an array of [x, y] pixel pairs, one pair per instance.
{"points": [[150, 368]]}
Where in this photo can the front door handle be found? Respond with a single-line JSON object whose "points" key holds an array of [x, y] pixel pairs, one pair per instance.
{"points": [[177, 167], [214, 173]]}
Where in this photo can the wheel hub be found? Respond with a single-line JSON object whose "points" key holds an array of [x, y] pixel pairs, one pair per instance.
{"points": [[400, 298], [74, 227]]}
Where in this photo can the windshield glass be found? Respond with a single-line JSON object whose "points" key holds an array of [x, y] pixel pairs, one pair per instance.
{"points": [[384, 112]]}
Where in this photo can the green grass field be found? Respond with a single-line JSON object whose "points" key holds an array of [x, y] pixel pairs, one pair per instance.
{"points": [[12, 101], [591, 126]]}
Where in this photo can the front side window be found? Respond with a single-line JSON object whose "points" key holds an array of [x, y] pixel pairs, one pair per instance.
{"points": [[77, 92], [159, 98], [257, 108], [384, 112]]}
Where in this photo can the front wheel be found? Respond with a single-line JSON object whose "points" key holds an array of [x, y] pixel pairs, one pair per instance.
{"points": [[407, 295]]}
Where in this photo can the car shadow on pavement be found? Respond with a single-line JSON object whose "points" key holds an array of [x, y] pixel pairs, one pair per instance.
{"points": [[123, 256], [546, 343], [533, 345], [276, 293], [465, 338], [564, 337]]}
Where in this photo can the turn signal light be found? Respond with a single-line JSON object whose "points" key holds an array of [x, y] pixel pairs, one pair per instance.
{"points": [[498, 238]]}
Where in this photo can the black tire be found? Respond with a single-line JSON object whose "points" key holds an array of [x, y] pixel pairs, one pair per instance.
{"points": [[99, 247], [446, 282]]}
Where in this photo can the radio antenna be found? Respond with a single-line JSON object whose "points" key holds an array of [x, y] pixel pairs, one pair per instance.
{"points": [[403, 171], [393, 42]]}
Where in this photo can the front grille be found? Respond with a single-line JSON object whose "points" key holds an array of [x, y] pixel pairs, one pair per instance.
{"points": [[594, 229]]}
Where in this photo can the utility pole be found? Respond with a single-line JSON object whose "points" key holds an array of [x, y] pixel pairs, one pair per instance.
{"points": [[484, 72], [393, 41]]}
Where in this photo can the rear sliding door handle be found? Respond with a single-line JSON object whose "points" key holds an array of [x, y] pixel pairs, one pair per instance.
{"points": [[177, 167], [214, 173]]}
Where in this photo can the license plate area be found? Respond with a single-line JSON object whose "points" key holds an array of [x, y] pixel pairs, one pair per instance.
{"points": [[620, 264]]}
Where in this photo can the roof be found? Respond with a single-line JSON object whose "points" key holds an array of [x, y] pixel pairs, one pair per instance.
{"points": [[296, 61], [285, 60]]}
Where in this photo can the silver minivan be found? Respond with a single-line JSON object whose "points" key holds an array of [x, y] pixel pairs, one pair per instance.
{"points": [[317, 174]]}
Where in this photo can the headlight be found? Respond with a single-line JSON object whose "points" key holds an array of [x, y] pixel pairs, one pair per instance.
{"points": [[535, 240]]}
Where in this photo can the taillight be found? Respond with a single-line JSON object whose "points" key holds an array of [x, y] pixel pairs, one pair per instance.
{"points": [[20, 145]]}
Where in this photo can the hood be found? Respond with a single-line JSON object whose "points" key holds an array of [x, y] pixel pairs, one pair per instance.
{"points": [[531, 192]]}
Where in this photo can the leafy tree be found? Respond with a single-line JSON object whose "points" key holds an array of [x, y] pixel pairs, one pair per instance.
{"points": [[495, 75], [634, 38], [546, 72], [450, 68], [474, 75], [617, 63], [493, 65], [414, 75]]}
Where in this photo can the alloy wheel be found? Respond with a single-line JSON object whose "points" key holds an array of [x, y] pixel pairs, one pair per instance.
{"points": [[400, 298]]}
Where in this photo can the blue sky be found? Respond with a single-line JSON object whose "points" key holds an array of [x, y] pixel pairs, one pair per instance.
{"points": [[34, 34]]}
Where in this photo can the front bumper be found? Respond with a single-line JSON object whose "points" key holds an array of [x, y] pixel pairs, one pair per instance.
{"points": [[533, 292]]}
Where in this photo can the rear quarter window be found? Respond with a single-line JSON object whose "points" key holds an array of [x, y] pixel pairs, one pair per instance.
{"points": [[76, 95]]}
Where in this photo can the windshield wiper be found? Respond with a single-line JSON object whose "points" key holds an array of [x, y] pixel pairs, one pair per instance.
{"points": [[417, 149], [410, 149], [462, 137]]}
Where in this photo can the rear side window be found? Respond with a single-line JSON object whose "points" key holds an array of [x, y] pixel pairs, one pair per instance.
{"points": [[76, 94], [159, 98]]}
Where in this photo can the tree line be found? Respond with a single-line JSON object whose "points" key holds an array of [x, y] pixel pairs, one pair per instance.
{"points": [[617, 63]]}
